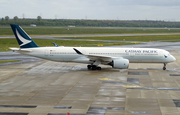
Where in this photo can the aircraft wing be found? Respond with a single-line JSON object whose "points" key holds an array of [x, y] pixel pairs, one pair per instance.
{"points": [[97, 57]]}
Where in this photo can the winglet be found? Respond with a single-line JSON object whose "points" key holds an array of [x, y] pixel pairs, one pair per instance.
{"points": [[77, 51]]}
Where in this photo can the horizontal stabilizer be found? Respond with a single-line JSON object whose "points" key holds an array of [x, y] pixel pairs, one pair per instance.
{"points": [[20, 50]]}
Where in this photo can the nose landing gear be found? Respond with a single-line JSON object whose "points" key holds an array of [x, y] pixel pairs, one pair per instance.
{"points": [[164, 67]]}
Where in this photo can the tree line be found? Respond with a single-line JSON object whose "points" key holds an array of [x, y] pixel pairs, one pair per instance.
{"points": [[93, 23]]}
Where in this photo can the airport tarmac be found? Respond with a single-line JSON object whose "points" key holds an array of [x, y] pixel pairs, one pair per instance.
{"points": [[55, 88]]}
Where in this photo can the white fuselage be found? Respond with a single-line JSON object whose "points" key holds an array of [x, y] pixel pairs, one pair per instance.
{"points": [[67, 54], [118, 58]]}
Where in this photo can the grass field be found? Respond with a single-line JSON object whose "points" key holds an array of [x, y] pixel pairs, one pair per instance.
{"points": [[6, 61], [86, 30], [134, 38], [6, 43]]}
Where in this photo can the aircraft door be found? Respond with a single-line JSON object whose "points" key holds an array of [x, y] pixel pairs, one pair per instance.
{"points": [[46, 53], [161, 55]]}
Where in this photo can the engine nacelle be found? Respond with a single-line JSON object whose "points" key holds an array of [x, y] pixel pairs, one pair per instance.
{"points": [[120, 63]]}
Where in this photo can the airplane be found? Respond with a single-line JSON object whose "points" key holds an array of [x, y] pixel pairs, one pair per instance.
{"points": [[118, 58]]}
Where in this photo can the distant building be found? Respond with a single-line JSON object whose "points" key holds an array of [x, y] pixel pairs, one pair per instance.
{"points": [[33, 25], [71, 26]]}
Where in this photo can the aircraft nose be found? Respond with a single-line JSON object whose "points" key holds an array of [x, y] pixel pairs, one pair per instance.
{"points": [[173, 58]]}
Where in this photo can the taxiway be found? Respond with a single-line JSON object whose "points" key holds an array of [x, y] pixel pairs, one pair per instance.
{"points": [[54, 88], [39, 87]]}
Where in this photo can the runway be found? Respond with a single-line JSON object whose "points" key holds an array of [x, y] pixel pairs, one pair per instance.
{"points": [[89, 35], [54, 88]]}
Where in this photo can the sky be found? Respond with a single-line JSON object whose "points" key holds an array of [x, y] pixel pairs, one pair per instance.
{"points": [[167, 10]]}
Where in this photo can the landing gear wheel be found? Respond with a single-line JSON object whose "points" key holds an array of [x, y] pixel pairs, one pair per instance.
{"points": [[94, 67], [164, 68], [98, 68], [89, 66]]}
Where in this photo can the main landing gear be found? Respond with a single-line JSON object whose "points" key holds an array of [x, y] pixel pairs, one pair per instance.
{"points": [[164, 67], [93, 67]]}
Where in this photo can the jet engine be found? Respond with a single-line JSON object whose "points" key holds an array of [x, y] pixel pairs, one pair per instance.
{"points": [[120, 63]]}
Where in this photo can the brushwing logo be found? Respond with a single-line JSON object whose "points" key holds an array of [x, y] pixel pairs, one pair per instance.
{"points": [[23, 40]]}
